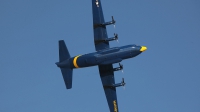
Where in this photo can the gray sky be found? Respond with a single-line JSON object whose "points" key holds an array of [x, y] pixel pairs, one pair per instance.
{"points": [[165, 78]]}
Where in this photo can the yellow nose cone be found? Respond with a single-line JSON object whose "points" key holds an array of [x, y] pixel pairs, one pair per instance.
{"points": [[143, 48]]}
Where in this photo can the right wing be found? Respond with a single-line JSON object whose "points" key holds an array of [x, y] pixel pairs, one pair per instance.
{"points": [[107, 79]]}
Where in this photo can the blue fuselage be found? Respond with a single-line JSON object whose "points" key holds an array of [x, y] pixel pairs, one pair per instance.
{"points": [[106, 56]]}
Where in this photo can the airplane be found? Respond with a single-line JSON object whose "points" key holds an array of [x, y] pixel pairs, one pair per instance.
{"points": [[104, 57]]}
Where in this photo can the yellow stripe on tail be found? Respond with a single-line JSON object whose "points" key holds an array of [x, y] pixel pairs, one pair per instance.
{"points": [[75, 61]]}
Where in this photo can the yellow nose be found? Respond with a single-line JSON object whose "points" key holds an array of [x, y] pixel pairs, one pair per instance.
{"points": [[143, 48]]}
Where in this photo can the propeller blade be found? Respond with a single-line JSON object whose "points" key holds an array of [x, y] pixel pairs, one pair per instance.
{"points": [[121, 67], [116, 37], [113, 21], [123, 83], [122, 80]]}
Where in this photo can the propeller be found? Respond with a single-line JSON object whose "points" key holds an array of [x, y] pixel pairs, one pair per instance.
{"points": [[121, 67], [123, 83], [116, 37], [113, 21]]}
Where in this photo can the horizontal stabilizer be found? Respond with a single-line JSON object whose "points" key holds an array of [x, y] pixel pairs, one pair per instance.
{"points": [[67, 76]]}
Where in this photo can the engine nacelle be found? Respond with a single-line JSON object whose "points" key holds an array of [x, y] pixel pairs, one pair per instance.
{"points": [[106, 23], [118, 68], [107, 39], [116, 85]]}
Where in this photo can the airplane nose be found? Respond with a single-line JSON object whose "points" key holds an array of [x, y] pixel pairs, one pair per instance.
{"points": [[143, 48]]}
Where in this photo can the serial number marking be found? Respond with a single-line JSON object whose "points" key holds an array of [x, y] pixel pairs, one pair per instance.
{"points": [[115, 106]]}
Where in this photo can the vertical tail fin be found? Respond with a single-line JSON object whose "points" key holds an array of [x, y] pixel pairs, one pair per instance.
{"points": [[64, 64], [63, 51]]}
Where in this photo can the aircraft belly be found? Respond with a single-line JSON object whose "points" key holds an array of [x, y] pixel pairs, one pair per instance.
{"points": [[116, 60]]}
